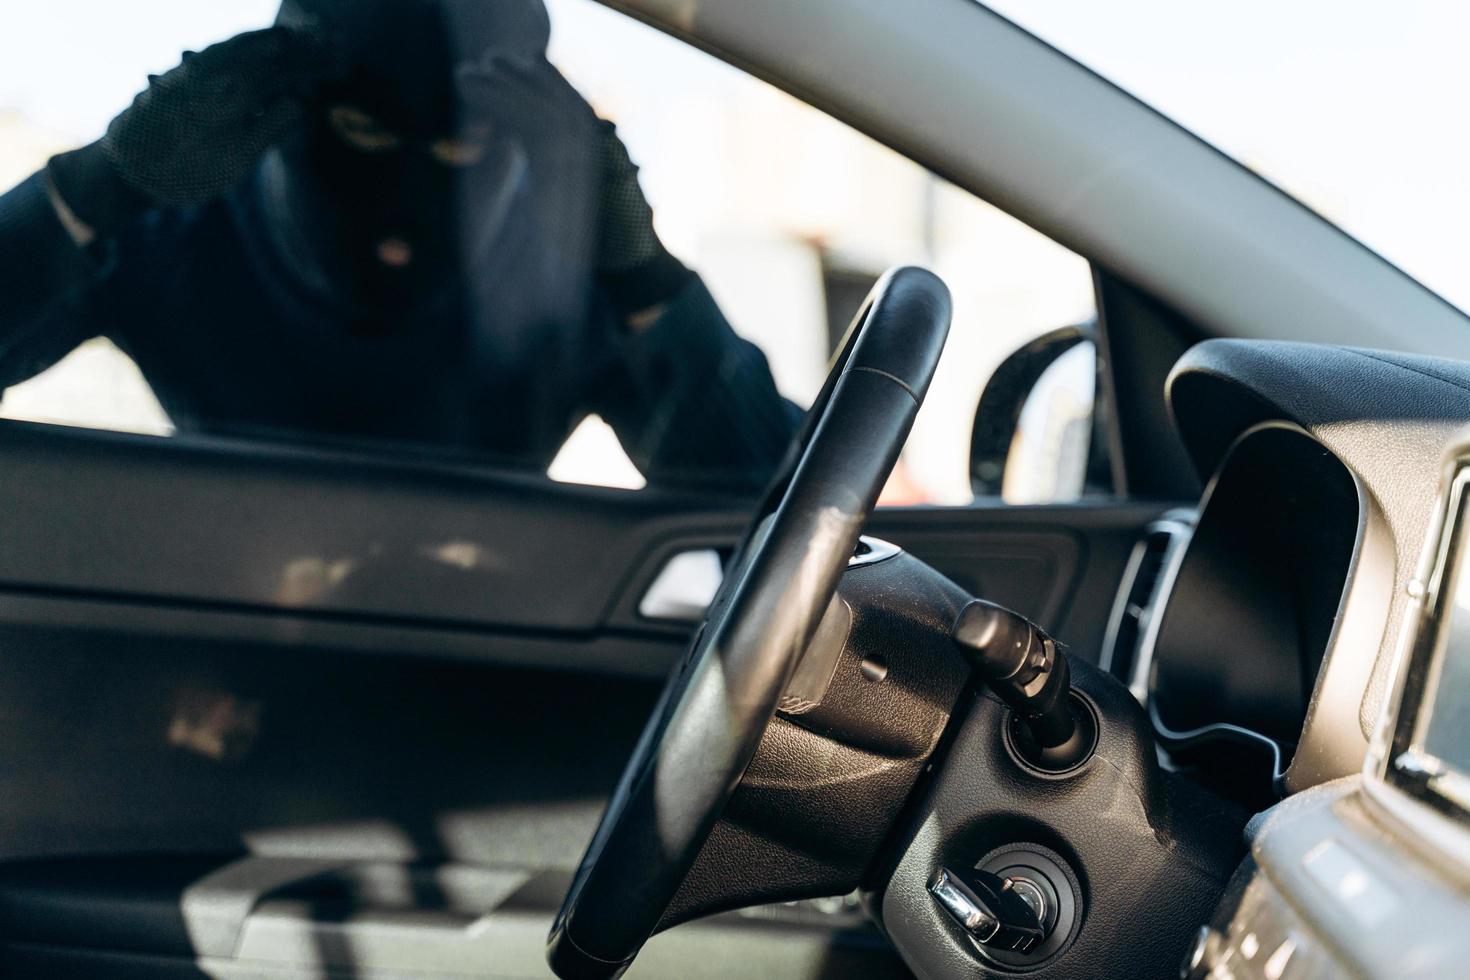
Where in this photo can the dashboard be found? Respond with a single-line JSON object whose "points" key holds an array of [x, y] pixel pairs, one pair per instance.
{"points": [[1237, 609], [1419, 769], [1304, 636], [1268, 618]]}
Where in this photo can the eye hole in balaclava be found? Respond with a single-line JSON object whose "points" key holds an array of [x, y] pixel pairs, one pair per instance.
{"points": [[358, 129], [396, 178]]}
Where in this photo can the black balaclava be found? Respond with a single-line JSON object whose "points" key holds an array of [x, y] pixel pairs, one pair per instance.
{"points": [[391, 229]]}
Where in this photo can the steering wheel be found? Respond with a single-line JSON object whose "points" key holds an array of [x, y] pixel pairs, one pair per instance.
{"points": [[713, 712]]}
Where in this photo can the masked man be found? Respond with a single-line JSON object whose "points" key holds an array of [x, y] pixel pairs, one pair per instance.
{"points": [[386, 219]]}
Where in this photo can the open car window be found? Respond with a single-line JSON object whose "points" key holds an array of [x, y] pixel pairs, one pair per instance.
{"points": [[552, 238]]}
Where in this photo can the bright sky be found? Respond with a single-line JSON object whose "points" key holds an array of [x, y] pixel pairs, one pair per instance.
{"points": [[71, 65], [1357, 108]]}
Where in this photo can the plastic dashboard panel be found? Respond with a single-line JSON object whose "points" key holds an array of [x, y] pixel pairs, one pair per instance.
{"points": [[1409, 781], [1365, 876], [1252, 605], [1389, 419]]}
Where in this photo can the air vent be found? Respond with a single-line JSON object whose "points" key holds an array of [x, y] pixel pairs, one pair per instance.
{"points": [[1139, 595]]}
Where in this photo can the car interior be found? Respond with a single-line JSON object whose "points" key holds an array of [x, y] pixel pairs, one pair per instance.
{"points": [[306, 708]]}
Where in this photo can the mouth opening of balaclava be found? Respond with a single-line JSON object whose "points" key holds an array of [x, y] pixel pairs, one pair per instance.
{"points": [[393, 179]]}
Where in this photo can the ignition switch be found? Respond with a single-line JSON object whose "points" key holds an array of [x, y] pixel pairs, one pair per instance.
{"points": [[1020, 904], [1003, 913]]}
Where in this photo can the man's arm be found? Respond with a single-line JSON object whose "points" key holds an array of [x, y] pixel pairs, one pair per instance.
{"points": [[192, 134], [694, 402], [189, 137], [45, 279]]}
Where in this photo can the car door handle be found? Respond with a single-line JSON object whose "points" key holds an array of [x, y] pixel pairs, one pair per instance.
{"points": [[684, 587]]}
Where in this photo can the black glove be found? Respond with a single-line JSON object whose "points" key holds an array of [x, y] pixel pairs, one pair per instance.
{"points": [[196, 131], [536, 104], [632, 262]]}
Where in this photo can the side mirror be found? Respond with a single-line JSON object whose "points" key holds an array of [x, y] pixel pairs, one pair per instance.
{"points": [[1032, 438]]}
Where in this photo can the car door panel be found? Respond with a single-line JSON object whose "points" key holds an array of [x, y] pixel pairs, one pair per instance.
{"points": [[212, 649], [297, 545], [267, 527]]}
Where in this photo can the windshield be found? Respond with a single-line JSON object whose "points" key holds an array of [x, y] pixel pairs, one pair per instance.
{"points": [[1357, 110]]}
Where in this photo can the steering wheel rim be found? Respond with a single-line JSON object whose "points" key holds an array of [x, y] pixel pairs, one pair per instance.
{"points": [[715, 708]]}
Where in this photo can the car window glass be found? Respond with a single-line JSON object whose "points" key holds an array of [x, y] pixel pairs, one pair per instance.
{"points": [[550, 237]]}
